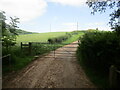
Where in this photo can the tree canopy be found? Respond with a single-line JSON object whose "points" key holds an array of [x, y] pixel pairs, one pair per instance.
{"points": [[102, 5]]}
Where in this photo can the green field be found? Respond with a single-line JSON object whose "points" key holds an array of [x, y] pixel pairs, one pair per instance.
{"points": [[40, 37]]}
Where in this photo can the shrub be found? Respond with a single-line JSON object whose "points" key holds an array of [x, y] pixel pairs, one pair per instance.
{"points": [[59, 39], [99, 50]]}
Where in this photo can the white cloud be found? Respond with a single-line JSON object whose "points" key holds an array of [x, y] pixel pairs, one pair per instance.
{"points": [[26, 10], [69, 2]]}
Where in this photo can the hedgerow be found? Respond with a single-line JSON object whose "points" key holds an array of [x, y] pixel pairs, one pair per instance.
{"points": [[59, 39], [99, 49]]}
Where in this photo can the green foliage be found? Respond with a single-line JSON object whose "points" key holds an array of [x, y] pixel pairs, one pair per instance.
{"points": [[59, 39], [8, 31], [13, 25], [97, 51], [39, 49], [18, 59], [75, 32], [74, 37], [92, 30], [8, 41], [65, 37]]}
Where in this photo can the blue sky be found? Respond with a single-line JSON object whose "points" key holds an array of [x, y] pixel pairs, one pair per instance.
{"points": [[55, 15]]}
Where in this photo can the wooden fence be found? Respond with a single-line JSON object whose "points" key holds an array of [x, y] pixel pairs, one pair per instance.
{"points": [[29, 45]]}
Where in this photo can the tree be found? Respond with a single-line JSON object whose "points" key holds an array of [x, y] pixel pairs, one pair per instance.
{"points": [[13, 25], [8, 30], [102, 5]]}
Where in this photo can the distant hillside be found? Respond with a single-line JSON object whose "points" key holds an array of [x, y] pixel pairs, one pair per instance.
{"points": [[21, 32]]}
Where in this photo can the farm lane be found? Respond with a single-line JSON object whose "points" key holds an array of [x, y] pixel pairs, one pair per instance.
{"points": [[49, 71]]}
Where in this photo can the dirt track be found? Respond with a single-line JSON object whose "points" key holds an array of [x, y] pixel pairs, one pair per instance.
{"points": [[61, 71]]}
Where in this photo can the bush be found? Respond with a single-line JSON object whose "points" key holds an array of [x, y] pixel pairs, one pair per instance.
{"points": [[99, 50], [59, 39], [15, 53]]}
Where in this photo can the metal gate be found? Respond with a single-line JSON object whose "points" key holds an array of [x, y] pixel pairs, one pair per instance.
{"points": [[66, 50]]}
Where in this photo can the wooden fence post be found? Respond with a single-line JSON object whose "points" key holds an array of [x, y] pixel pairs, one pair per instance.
{"points": [[113, 76], [10, 64], [30, 47], [21, 45]]}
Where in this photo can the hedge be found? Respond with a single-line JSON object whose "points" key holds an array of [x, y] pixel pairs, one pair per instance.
{"points": [[59, 39], [100, 49]]}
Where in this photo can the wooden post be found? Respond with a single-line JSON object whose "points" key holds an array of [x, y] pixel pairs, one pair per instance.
{"points": [[30, 47], [21, 45], [113, 76], [10, 62]]}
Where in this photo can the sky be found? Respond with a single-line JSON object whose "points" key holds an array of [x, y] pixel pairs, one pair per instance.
{"points": [[54, 15]]}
